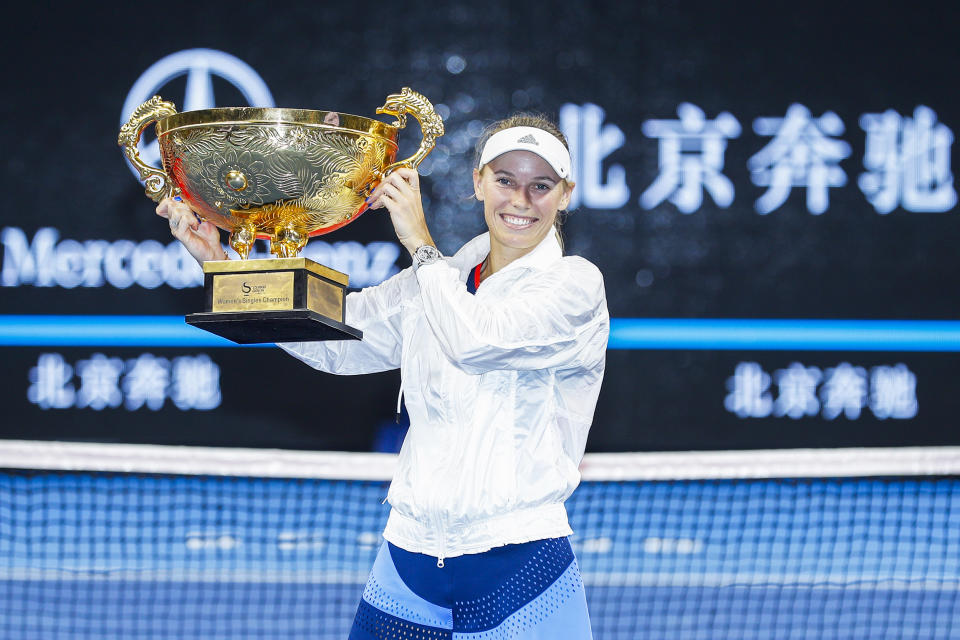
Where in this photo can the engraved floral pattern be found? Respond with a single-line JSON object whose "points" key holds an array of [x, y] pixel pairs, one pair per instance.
{"points": [[284, 138], [215, 173], [298, 139]]}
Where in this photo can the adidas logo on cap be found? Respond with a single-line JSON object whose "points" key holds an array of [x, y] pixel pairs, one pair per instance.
{"points": [[528, 139]]}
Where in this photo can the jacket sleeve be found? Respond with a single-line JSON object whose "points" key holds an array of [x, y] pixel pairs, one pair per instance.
{"points": [[376, 312], [553, 319]]}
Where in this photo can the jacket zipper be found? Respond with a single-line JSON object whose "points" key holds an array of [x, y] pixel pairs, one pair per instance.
{"points": [[442, 537]]}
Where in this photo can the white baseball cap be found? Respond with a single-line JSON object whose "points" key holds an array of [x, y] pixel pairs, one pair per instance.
{"points": [[531, 139]]}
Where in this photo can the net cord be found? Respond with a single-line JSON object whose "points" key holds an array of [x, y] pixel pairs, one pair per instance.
{"points": [[283, 463]]}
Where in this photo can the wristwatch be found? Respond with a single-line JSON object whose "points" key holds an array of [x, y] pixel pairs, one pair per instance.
{"points": [[427, 254]]}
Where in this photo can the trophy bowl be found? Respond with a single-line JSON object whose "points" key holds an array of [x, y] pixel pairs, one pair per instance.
{"points": [[283, 175], [279, 174]]}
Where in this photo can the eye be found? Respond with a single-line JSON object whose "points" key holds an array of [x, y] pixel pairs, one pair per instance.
{"points": [[503, 181], [541, 186]]}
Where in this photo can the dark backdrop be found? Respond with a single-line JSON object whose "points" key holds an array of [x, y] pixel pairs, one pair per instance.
{"points": [[607, 69]]}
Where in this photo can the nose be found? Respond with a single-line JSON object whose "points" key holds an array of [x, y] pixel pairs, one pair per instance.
{"points": [[520, 199]]}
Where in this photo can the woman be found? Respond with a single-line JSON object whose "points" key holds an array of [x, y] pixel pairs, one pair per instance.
{"points": [[501, 350]]}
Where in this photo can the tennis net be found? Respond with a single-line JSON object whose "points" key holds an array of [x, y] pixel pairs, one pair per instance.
{"points": [[123, 541]]}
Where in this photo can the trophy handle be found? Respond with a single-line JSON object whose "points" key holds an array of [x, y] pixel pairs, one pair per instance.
{"points": [[157, 182], [431, 124]]}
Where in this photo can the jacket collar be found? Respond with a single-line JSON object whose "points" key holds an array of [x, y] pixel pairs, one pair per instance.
{"points": [[541, 257]]}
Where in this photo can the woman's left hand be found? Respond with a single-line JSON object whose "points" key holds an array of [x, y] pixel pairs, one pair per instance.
{"points": [[399, 192]]}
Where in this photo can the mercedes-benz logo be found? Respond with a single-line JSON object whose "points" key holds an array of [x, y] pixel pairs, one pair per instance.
{"points": [[199, 65]]}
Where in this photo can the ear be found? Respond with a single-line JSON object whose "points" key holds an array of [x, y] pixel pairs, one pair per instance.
{"points": [[476, 185], [567, 194]]}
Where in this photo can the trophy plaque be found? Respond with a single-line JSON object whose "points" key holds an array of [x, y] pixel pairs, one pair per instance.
{"points": [[283, 175]]}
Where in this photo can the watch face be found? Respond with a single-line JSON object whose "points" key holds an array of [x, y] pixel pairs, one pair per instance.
{"points": [[426, 254]]}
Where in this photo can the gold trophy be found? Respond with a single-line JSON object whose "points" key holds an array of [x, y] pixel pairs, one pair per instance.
{"points": [[278, 174]]}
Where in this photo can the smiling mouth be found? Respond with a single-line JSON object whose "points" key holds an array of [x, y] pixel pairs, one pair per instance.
{"points": [[517, 222]]}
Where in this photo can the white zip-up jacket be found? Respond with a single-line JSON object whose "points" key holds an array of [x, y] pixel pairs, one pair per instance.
{"points": [[500, 387]]}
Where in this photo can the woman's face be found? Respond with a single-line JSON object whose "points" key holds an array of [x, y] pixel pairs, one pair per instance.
{"points": [[521, 194]]}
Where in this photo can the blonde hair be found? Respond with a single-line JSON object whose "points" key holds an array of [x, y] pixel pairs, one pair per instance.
{"points": [[526, 119]]}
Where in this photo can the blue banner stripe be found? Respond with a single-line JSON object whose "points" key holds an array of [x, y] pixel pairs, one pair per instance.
{"points": [[625, 333], [104, 331], [785, 335]]}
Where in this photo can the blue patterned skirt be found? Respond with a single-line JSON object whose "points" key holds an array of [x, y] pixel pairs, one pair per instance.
{"points": [[529, 591]]}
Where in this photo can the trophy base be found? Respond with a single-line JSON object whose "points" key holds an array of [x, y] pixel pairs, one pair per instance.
{"points": [[274, 300], [257, 327]]}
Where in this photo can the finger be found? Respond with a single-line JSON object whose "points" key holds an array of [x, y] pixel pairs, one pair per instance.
{"points": [[392, 189], [174, 217], [387, 201], [376, 198], [177, 203], [410, 176], [175, 222], [392, 196], [395, 180], [375, 194], [391, 178], [180, 214], [163, 209], [406, 177], [408, 191], [208, 232], [168, 209], [181, 218]]}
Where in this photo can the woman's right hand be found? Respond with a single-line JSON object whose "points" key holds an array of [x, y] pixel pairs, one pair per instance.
{"points": [[201, 239]]}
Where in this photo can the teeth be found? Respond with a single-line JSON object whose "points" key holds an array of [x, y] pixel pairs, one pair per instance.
{"points": [[521, 222]]}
